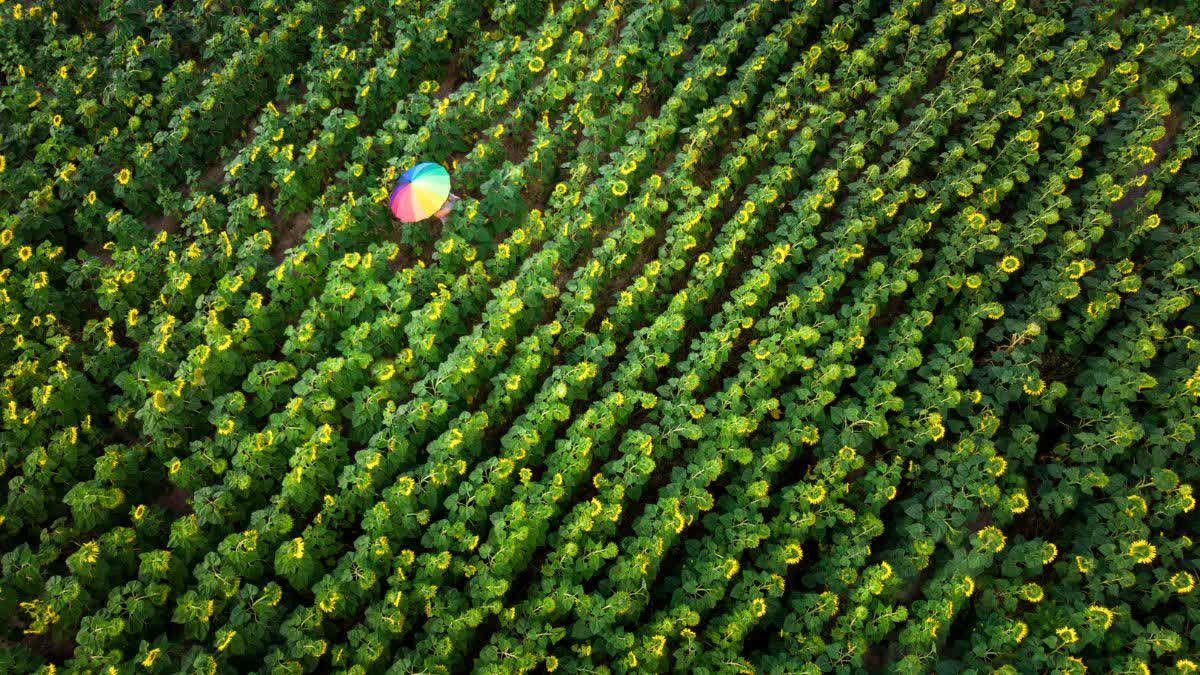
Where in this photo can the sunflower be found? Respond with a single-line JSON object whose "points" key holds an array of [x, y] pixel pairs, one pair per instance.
{"points": [[1142, 551]]}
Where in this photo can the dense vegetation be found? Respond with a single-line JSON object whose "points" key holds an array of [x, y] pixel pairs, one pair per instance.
{"points": [[768, 336]]}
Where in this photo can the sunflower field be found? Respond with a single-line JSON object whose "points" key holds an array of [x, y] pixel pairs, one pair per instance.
{"points": [[767, 336]]}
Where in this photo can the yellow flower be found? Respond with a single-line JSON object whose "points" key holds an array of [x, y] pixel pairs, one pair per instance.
{"points": [[1049, 553], [620, 187], [90, 552], [815, 494], [937, 429], [1183, 582], [1142, 551], [1035, 387], [3, 163], [1022, 630], [1010, 264], [1077, 268], [993, 538], [731, 567], [887, 570], [1189, 502], [536, 64], [829, 602], [997, 466], [1137, 503], [1067, 634], [1105, 614], [1032, 592], [794, 553], [123, 176]]}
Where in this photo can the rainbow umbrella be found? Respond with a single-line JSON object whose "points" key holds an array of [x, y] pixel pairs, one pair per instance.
{"points": [[420, 192]]}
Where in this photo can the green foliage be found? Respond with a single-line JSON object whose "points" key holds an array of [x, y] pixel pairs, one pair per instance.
{"points": [[766, 337]]}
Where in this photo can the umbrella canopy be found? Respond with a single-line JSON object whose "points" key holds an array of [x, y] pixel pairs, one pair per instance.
{"points": [[420, 192]]}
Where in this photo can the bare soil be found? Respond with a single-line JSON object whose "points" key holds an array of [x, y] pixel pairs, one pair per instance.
{"points": [[289, 233]]}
